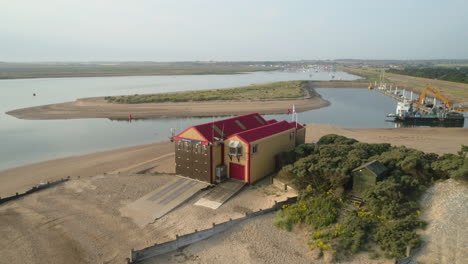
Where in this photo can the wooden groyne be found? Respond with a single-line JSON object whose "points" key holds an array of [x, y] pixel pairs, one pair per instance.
{"points": [[34, 189]]}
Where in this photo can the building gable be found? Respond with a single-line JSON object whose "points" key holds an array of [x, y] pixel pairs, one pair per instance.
{"points": [[192, 134]]}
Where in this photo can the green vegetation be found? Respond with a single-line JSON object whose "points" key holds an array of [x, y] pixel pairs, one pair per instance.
{"points": [[456, 92], [277, 90], [389, 214], [370, 74], [458, 74], [451, 65], [55, 70]]}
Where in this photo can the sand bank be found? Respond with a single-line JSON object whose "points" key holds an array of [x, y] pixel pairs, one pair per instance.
{"points": [[98, 107]]}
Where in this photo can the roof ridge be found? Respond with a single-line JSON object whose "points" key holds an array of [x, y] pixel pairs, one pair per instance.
{"points": [[231, 118], [264, 126], [246, 135]]}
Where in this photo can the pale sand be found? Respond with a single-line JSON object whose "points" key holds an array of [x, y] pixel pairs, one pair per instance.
{"points": [[436, 140], [22, 178], [79, 221], [445, 209]]}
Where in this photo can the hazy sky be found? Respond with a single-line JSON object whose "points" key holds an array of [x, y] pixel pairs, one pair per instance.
{"points": [[176, 30]]}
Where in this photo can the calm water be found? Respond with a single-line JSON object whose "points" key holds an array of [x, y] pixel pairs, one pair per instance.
{"points": [[26, 141]]}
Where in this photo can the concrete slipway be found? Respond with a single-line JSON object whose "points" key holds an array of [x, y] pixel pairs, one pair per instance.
{"points": [[221, 193], [161, 201]]}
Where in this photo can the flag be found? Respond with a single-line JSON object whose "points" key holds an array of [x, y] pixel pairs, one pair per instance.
{"points": [[289, 111]]}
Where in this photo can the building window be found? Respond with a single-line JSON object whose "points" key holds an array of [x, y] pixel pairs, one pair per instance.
{"points": [[235, 148], [254, 148], [240, 124], [291, 136]]}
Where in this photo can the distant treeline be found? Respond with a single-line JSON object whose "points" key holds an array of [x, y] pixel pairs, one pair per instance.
{"points": [[458, 74]]}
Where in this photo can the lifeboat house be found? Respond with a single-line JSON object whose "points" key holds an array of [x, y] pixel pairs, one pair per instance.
{"points": [[242, 147]]}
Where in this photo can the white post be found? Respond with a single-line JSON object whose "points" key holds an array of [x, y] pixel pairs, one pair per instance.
{"points": [[293, 113], [411, 96], [296, 120]]}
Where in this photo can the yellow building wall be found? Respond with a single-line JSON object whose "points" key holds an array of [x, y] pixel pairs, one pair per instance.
{"points": [[216, 160], [300, 138], [192, 133], [242, 159], [262, 162]]}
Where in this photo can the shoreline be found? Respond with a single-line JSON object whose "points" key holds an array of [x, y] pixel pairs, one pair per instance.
{"points": [[122, 160], [98, 107]]}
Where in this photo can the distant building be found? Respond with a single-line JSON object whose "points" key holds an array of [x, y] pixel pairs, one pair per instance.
{"points": [[242, 147], [367, 175]]}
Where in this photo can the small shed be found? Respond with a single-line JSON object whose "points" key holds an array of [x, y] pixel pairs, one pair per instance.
{"points": [[367, 175]]}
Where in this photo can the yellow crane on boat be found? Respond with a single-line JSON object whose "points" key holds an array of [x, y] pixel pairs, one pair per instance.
{"points": [[437, 93]]}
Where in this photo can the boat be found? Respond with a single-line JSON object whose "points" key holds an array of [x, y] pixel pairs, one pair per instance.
{"points": [[438, 115], [431, 118]]}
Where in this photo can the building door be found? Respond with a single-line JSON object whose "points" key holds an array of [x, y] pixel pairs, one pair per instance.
{"points": [[193, 160], [237, 171], [184, 159], [201, 162]]}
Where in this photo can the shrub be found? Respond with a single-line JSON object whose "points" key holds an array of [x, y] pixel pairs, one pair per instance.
{"points": [[316, 211], [395, 235], [356, 227], [389, 216]]}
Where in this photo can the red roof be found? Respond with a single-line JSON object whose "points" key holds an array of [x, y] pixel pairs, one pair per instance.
{"points": [[271, 121], [264, 131], [228, 126]]}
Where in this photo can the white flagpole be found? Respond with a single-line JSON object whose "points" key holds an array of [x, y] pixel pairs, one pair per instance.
{"points": [[293, 113]]}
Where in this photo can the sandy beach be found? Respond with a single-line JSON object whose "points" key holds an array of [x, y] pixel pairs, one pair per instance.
{"points": [[79, 221]]}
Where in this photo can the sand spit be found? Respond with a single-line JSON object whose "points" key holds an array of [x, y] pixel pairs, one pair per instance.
{"points": [[98, 107]]}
